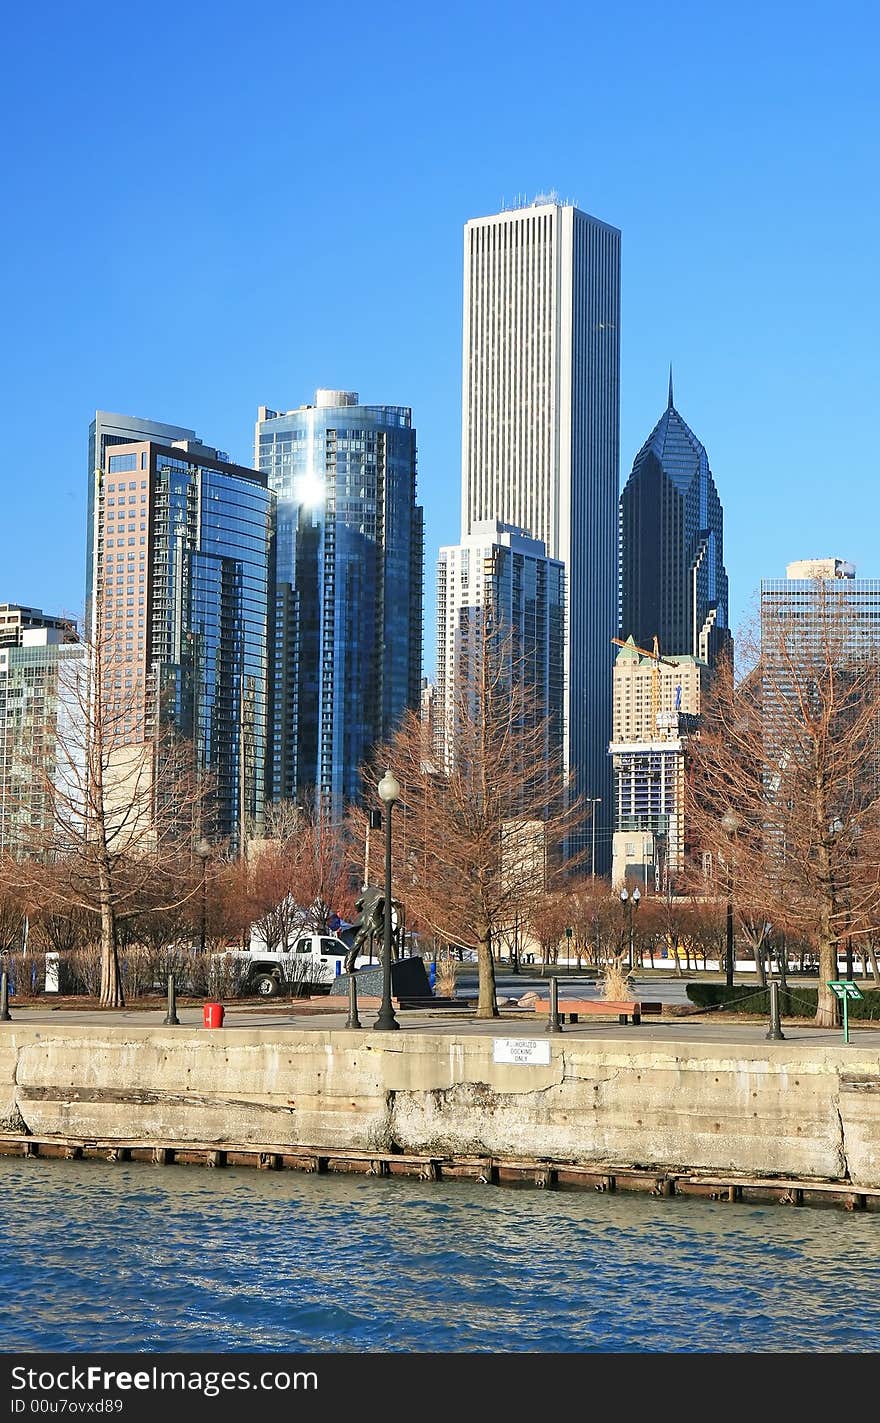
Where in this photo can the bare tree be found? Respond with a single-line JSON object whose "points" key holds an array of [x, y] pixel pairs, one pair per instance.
{"points": [[324, 883], [548, 921], [483, 839], [124, 806], [784, 789], [13, 908]]}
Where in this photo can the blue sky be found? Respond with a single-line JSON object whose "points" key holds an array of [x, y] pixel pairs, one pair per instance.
{"points": [[210, 207]]}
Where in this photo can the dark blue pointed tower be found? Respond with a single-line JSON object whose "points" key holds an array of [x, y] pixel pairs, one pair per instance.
{"points": [[673, 584]]}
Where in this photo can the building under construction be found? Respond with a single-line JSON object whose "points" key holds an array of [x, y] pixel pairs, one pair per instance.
{"points": [[656, 703]]}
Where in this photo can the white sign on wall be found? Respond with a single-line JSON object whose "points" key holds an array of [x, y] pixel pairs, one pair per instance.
{"points": [[531, 1052]]}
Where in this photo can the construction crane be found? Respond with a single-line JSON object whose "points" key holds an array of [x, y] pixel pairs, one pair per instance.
{"points": [[656, 660]]}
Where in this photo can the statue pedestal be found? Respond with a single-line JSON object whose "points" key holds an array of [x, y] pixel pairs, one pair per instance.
{"points": [[409, 981]]}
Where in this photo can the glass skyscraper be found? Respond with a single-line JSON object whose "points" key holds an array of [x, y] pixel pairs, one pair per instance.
{"points": [[673, 585], [347, 652], [181, 595]]}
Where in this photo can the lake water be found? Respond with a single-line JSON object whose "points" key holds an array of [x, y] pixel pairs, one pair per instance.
{"points": [[129, 1257]]}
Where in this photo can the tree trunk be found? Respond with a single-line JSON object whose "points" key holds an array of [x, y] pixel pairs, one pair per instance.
{"points": [[826, 1000], [872, 955], [487, 1004], [111, 981], [761, 964]]}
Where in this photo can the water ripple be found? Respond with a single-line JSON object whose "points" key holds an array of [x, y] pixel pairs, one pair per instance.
{"points": [[127, 1257]]}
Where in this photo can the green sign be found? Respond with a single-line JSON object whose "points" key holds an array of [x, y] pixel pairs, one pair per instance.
{"points": [[844, 989], [568, 932]]}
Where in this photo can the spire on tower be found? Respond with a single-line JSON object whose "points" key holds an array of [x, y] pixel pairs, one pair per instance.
{"points": [[671, 406]]}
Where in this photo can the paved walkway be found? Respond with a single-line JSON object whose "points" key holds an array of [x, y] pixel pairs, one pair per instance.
{"points": [[513, 1022]]}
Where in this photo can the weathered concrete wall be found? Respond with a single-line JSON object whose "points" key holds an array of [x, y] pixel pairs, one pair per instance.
{"points": [[787, 1109]]}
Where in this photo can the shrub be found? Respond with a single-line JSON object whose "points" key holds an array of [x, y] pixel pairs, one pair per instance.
{"points": [[615, 982], [26, 971], [794, 1002]]}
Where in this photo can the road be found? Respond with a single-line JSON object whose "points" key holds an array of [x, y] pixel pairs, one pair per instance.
{"points": [[656, 987]]}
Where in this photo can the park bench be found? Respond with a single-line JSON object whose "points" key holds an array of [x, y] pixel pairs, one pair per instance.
{"points": [[575, 1008]]}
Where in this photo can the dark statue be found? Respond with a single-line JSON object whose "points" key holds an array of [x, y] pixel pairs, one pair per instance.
{"points": [[370, 926]]}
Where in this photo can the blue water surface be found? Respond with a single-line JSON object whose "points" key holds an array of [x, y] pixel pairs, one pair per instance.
{"points": [[130, 1257]]}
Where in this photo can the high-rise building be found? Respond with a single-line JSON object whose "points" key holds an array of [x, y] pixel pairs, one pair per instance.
{"points": [[541, 432], [820, 614], [674, 605], [499, 580], [105, 430], [181, 597], [673, 585], [348, 589], [820, 650], [819, 608], [16, 620], [807, 568], [38, 698], [656, 708], [428, 708]]}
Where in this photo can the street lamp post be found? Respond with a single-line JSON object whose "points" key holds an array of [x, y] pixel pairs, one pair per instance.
{"points": [[630, 902], [389, 792], [203, 850], [594, 801], [730, 823]]}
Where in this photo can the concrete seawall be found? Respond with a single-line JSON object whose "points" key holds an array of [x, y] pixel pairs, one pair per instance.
{"points": [[790, 1109]]}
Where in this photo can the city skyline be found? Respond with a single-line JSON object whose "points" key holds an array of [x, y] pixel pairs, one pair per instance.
{"points": [[748, 237]]}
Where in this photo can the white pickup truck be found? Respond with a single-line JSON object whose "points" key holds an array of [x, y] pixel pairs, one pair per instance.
{"points": [[311, 964]]}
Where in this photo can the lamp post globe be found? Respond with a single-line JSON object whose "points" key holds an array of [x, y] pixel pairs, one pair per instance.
{"points": [[389, 788], [389, 792]]}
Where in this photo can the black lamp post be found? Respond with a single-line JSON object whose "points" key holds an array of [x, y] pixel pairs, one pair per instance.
{"points": [[203, 850], [389, 792], [630, 902], [730, 823]]}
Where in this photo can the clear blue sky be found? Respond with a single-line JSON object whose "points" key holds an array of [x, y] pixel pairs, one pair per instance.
{"points": [[209, 207]]}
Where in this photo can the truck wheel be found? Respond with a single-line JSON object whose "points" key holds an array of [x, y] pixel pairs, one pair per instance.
{"points": [[267, 985]]}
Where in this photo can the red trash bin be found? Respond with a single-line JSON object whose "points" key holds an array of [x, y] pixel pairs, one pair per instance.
{"points": [[213, 1015]]}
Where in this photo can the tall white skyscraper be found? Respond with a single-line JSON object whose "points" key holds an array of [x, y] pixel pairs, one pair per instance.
{"points": [[541, 434]]}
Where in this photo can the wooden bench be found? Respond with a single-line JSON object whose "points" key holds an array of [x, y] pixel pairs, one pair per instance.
{"points": [[623, 1008]]}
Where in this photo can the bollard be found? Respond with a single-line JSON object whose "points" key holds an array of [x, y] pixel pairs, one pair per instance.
{"points": [[171, 1018], [353, 1019], [553, 1023], [5, 1015], [775, 1034]]}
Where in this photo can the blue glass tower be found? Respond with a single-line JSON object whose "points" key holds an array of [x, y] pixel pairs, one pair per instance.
{"points": [[673, 585], [348, 589]]}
